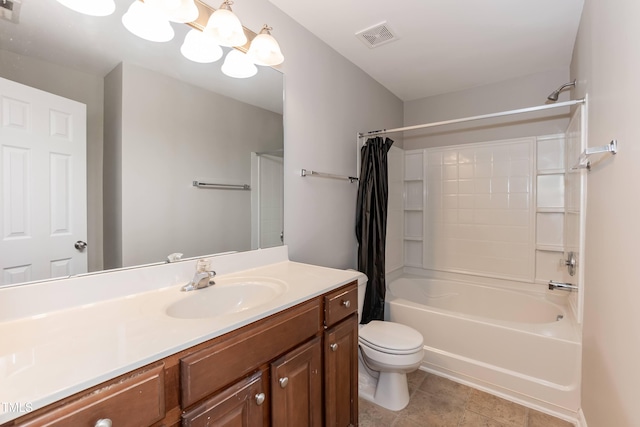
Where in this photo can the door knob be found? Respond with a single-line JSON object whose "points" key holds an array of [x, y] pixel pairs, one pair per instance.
{"points": [[80, 245], [283, 382]]}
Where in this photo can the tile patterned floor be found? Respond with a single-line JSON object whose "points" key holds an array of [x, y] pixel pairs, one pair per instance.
{"points": [[439, 402]]}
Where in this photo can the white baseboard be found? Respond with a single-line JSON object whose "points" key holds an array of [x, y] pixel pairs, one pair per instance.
{"points": [[582, 421]]}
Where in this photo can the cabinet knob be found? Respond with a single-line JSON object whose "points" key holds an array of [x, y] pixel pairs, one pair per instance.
{"points": [[104, 422], [260, 399], [283, 382], [346, 303], [334, 347]]}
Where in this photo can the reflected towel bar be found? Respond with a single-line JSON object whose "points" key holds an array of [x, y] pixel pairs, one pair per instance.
{"points": [[222, 186], [305, 172], [585, 163]]}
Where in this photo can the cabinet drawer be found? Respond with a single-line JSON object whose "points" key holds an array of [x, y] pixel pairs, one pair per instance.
{"points": [[136, 400], [242, 404], [238, 354], [340, 304]]}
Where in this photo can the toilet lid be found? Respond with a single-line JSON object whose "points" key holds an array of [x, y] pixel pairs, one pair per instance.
{"points": [[390, 337]]}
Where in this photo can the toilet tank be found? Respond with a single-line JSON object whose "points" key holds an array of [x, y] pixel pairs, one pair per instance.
{"points": [[362, 288]]}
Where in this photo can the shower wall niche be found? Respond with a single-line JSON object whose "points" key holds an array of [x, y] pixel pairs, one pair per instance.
{"points": [[493, 209]]}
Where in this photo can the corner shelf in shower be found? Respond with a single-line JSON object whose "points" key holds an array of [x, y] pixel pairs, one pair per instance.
{"points": [[550, 210], [551, 172], [550, 248], [414, 199]]}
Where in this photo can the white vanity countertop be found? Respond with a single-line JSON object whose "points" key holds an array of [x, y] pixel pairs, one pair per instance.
{"points": [[46, 357]]}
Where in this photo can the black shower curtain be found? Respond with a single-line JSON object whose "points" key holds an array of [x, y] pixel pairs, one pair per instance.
{"points": [[371, 224]]}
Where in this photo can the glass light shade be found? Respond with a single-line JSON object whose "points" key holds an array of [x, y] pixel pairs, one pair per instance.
{"points": [[91, 7], [200, 47], [226, 29], [181, 11], [264, 50], [238, 65], [147, 22]]}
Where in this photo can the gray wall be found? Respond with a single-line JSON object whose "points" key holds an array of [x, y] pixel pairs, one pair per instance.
{"points": [[606, 63], [527, 91], [171, 134], [327, 101], [81, 87]]}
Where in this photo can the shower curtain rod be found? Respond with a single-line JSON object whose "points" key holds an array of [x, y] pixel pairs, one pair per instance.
{"points": [[469, 119]]}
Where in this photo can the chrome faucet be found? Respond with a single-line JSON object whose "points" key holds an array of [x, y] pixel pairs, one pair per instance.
{"points": [[564, 286], [203, 277]]}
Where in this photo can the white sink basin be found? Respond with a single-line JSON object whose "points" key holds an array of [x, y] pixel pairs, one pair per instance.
{"points": [[227, 296]]}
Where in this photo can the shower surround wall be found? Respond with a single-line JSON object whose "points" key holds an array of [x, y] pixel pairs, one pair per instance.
{"points": [[493, 209]]}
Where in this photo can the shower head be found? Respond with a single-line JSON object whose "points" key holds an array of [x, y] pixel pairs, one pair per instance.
{"points": [[554, 95]]}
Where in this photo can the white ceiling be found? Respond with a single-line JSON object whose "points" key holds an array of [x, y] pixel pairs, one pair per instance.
{"points": [[446, 45]]}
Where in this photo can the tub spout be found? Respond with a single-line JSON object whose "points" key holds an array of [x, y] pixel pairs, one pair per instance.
{"points": [[564, 286]]}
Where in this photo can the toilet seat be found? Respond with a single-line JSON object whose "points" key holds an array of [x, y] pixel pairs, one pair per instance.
{"points": [[390, 337]]}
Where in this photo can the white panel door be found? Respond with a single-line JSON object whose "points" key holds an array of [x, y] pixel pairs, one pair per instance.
{"points": [[575, 206], [43, 194]]}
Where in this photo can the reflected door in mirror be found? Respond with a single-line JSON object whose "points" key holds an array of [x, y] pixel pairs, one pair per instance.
{"points": [[267, 200], [43, 192]]}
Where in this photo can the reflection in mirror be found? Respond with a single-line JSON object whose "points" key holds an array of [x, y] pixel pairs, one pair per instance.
{"points": [[155, 123]]}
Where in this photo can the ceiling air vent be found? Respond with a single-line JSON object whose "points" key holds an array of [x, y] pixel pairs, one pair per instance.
{"points": [[377, 35], [10, 10]]}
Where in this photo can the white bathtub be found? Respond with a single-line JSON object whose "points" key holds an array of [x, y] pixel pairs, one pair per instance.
{"points": [[518, 345]]}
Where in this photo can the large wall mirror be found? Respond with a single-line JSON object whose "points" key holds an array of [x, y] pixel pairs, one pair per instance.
{"points": [[155, 123]]}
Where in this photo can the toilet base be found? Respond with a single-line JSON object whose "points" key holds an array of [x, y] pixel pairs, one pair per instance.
{"points": [[390, 390]]}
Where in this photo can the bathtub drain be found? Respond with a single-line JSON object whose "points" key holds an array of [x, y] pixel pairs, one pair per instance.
{"points": [[559, 317]]}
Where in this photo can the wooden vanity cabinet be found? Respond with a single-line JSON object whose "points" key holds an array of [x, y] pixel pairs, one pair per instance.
{"points": [[294, 368], [341, 357], [341, 373]]}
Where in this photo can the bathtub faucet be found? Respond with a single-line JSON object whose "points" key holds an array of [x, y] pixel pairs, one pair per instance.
{"points": [[564, 286]]}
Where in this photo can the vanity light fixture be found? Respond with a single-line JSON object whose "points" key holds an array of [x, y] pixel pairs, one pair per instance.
{"points": [[264, 49], [238, 65], [225, 27], [150, 20], [200, 47], [91, 7], [147, 22], [180, 11]]}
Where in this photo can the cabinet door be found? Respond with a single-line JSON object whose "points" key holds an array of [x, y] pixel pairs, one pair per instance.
{"points": [[296, 387], [240, 405], [341, 373]]}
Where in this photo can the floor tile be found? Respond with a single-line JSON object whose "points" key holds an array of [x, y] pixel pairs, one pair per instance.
{"points": [[471, 419], [504, 411], [406, 422], [415, 379], [371, 415], [440, 386], [439, 402], [433, 410], [538, 419]]}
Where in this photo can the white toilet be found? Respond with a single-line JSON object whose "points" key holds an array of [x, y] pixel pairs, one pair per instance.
{"points": [[387, 352]]}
